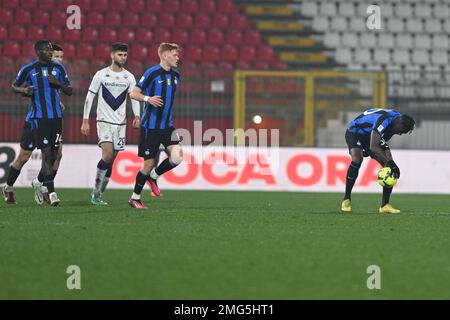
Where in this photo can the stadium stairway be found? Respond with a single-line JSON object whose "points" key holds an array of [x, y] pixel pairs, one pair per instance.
{"points": [[288, 31]]}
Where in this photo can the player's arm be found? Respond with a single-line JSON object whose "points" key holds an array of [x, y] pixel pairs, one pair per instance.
{"points": [[136, 94], [382, 156], [65, 88], [92, 92], [135, 105], [17, 85]]}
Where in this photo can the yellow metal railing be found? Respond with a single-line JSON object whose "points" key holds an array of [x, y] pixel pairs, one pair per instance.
{"points": [[379, 98]]}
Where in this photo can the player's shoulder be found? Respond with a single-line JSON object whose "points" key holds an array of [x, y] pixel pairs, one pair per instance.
{"points": [[176, 71], [58, 65], [153, 70], [128, 73], [29, 65]]}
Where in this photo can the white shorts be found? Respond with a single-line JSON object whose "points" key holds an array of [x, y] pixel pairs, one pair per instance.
{"points": [[111, 133]]}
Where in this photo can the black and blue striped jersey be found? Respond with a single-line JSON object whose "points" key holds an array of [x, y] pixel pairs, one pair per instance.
{"points": [[45, 102], [374, 119], [158, 82]]}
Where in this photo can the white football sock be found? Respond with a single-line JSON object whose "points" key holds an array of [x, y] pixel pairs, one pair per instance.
{"points": [[136, 196], [153, 174]]}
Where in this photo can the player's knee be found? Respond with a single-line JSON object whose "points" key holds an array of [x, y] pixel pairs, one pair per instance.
{"points": [[176, 159]]}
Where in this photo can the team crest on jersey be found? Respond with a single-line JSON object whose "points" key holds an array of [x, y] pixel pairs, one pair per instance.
{"points": [[125, 76], [45, 73], [380, 128], [54, 72]]}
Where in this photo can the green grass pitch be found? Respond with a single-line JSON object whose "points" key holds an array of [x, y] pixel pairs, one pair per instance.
{"points": [[225, 245]]}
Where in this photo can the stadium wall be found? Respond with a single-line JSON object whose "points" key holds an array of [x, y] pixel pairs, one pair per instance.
{"points": [[239, 168]]}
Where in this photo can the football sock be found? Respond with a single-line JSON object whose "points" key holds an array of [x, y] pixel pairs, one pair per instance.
{"points": [[40, 176], [106, 180], [386, 195], [54, 174], [164, 167], [102, 169], [48, 182], [352, 174], [141, 178], [12, 176]]}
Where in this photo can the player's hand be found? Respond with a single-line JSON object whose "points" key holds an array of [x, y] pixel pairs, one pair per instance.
{"points": [[136, 122], [85, 127], [53, 80], [395, 169], [28, 91], [156, 101]]}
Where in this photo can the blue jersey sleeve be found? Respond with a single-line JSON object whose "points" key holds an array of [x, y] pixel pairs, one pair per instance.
{"points": [[382, 124], [63, 76], [23, 76], [146, 80]]}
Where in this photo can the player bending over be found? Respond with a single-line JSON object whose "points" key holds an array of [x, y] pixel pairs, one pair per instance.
{"points": [[366, 136], [157, 88], [113, 85]]}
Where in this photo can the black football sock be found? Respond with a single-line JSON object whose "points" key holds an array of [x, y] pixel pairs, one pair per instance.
{"points": [[12, 176], [352, 174], [54, 174], [40, 176], [386, 196], [164, 167], [141, 178], [48, 182]]}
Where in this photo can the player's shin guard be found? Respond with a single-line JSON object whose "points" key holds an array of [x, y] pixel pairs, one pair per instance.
{"points": [[141, 178], [102, 169], [164, 167], [106, 180], [352, 174], [12, 176], [386, 196]]}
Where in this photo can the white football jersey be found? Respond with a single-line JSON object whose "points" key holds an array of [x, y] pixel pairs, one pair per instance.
{"points": [[112, 88]]}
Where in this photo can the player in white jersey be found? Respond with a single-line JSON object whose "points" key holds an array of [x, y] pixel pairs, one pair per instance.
{"points": [[112, 84]]}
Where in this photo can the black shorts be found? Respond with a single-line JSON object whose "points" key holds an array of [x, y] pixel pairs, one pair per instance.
{"points": [[27, 140], [48, 133], [152, 138], [358, 141]]}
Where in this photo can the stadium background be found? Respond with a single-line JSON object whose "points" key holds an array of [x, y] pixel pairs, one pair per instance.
{"points": [[306, 67]]}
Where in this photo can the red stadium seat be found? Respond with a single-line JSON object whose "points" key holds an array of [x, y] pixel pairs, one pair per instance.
{"points": [[226, 6], [215, 36], [3, 33], [233, 37], [189, 6], [139, 52], [118, 5], [166, 20], [225, 65], [11, 4], [229, 53], [149, 20], [247, 53], [252, 37], [22, 17], [53, 33], [63, 4], [154, 6], [198, 36], [47, 4], [241, 64], [266, 53], [161, 35], [153, 57], [72, 35], [184, 21], [83, 4], [89, 34], [239, 21], [94, 19], [171, 6], [7, 16], [27, 48], [202, 21], [220, 21], [59, 18], [138, 5], [108, 35], [130, 19], [101, 6], [207, 6], [86, 51], [193, 53], [41, 17], [278, 65], [69, 52], [113, 19], [11, 49], [180, 36], [261, 65], [211, 53], [126, 35], [143, 35], [17, 32], [102, 51]]}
